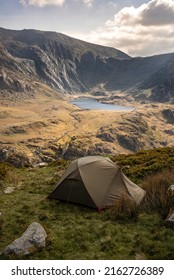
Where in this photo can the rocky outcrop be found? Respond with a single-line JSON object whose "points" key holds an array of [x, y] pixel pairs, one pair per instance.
{"points": [[34, 238], [168, 115], [128, 133], [14, 157]]}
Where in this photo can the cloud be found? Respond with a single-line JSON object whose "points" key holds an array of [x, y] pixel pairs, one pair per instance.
{"points": [[42, 3], [145, 30], [155, 12], [88, 3], [158, 12], [111, 4]]}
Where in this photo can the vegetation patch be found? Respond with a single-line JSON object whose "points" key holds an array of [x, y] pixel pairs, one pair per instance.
{"points": [[76, 232], [146, 162], [158, 196]]}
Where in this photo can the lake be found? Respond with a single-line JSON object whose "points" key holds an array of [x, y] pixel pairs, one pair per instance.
{"points": [[93, 104]]}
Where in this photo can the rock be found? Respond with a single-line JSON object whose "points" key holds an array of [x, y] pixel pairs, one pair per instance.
{"points": [[170, 220], [14, 156], [169, 131], [171, 188], [31, 240], [9, 190], [168, 115], [41, 164], [130, 142]]}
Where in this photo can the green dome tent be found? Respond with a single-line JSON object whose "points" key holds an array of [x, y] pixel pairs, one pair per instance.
{"points": [[96, 182]]}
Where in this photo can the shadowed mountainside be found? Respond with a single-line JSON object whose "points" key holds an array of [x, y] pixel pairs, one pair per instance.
{"points": [[68, 64], [64, 63]]}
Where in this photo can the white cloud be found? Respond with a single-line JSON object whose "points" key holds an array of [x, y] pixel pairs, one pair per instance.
{"points": [[145, 30], [42, 3]]}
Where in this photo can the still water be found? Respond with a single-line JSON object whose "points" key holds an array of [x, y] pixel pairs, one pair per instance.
{"points": [[90, 103]]}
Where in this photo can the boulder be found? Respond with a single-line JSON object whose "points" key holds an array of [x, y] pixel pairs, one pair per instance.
{"points": [[30, 241]]}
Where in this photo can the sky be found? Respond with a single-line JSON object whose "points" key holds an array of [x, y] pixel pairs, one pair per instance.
{"points": [[136, 27]]}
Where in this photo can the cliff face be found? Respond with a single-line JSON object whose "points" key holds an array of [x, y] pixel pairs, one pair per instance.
{"points": [[62, 62], [68, 64]]}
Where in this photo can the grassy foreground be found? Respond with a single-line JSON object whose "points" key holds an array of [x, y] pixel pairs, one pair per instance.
{"points": [[76, 232]]}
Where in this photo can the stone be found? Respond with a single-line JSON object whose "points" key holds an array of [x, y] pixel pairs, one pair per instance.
{"points": [[170, 220], [171, 188], [9, 190], [32, 239]]}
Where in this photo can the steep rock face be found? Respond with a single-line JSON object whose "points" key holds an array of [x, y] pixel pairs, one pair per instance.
{"points": [[142, 73], [72, 65], [62, 62], [15, 74], [162, 82]]}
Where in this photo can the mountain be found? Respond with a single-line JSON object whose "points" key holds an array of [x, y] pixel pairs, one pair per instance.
{"points": [[64, 63], [68, 64]]}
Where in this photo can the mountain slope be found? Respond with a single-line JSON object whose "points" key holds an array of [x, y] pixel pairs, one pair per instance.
{"points": [[162, 82], [61, 61], [68, 64]]}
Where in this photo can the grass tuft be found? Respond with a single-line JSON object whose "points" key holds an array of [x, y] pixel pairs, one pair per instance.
{"points": [[158, 196], [124, 210]]}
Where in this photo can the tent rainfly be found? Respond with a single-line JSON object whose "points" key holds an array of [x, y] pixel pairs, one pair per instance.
{"points": [[96, 182]]}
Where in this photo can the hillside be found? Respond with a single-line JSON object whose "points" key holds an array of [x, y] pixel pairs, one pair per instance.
{"points": [[45, 127], [68, 64], [62, 62], [77, 232]]}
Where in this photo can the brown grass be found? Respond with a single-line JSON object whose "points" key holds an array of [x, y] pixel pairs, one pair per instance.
{"points": [[158, 197], [124, 210]]}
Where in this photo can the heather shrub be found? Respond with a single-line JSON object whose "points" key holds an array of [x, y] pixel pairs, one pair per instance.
{"points": [[158, 196]]}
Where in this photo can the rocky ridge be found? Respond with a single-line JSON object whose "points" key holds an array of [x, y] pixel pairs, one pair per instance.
{"points": [[71, 65]]}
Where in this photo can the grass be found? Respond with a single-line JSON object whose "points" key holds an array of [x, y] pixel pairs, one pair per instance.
{"points": [[76, 232], [124, 210], [158, 197]]}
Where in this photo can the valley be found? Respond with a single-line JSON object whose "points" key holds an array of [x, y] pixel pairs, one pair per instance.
{"points": [[48, 127], [41, 72]]}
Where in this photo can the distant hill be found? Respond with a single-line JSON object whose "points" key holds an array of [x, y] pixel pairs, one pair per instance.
{"points": [[68, 64]]}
